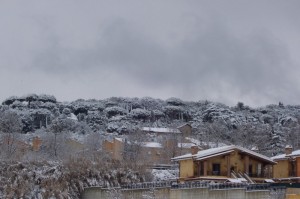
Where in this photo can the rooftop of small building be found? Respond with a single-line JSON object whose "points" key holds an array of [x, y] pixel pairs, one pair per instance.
{"points": [[208, 153]]}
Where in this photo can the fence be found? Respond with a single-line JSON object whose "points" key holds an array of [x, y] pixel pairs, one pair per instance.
{"points": [[196, 189]]}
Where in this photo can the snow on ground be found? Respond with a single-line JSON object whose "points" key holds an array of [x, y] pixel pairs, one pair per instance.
{"points": [[163, 175]]}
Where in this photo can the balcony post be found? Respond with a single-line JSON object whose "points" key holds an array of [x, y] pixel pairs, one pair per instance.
{"points": [[205, 168], [228, 165]]}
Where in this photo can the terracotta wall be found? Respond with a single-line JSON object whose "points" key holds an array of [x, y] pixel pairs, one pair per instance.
{"points": [[298, 166], [186, 130], [186, 168], [36, 143], [281, 169]]}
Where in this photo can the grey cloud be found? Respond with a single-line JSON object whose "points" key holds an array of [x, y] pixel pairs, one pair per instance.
{"points": [[213, 55]]}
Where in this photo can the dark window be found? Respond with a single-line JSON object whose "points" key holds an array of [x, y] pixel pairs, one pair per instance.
{"points": [[250, 170], [216, 169]]}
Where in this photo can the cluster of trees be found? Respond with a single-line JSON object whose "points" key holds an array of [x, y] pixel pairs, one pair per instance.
{"points": [[274, 126], [268, 128]]}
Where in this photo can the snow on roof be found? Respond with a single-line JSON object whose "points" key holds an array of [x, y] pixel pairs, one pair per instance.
{"points": [[152, 144], [221, 151], [120, 139], [214, 155], [295, 153], [209, 144], [185, 145], [212, 151], [284, 156], [186, 124], [195, 141], [161, 130], [73, 117], [255, 148], [269, 180], [183, 157], [236, 180], [279, 157]]}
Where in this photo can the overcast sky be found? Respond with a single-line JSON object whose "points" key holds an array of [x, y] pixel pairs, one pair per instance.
{"points": [[225, 51]]}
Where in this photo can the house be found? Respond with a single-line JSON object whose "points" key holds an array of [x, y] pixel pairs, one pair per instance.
{"points": [[184, 130], [161, 131], [157, 153], [177, 134], [288, 164], [64, 146], [114, 147], [12, 146], [224, 162], [150, 153], [36, 143]]}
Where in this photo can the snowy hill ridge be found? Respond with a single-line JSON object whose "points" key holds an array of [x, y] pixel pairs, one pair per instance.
{"points": [[270, 128]]}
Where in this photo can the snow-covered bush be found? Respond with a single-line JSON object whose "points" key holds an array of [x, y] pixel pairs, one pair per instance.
{"points": [[47, 98], [115, 110], [175, 101], [120, 127], [66, 111], [96, 120], [48, 105], [173, 111], [38, 180], [158, 114], [18, 104], [140, 114], [10, 100], [267, 119], [34, 104], [164, 175], [151, 104], [31, 97]]}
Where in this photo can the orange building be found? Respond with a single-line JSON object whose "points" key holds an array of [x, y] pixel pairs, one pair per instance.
{"points": [[288, 164], [115, 148], [146, 152], [224, 162], [36, 143]]}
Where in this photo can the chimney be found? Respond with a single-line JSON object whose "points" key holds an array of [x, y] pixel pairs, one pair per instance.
{"points": [[194, 150], [288, 149], [255, 149]]}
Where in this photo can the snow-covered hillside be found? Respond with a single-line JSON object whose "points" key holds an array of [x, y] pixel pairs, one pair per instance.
{"points": [[269, 128]]}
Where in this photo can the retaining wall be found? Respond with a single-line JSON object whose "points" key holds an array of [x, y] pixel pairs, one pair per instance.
{"points": [[188, 193]]}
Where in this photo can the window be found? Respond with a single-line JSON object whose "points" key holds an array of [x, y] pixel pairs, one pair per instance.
{"points": [[216, 169], [259, 169], [250, 170]]}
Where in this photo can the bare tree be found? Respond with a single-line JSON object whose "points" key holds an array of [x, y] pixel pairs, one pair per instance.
{"points": [[133, 149], [93, 145], [59, 127], [10, 126], [216, 133]]}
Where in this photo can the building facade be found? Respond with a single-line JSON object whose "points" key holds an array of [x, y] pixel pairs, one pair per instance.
{"points": [[288, 164], [223, 163]]}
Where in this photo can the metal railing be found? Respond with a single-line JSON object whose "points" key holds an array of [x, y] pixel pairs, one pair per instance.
{"points": [[147, 185], [254, 187], [199, 184], [228, 186], [190, 185]]}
